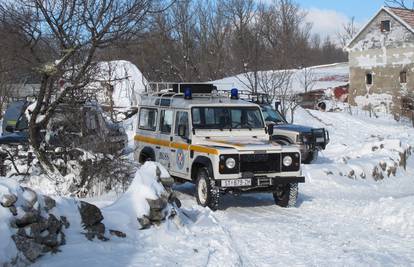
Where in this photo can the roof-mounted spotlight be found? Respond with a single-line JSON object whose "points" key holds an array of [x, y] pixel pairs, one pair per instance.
{"points": [[234, 93], [188, 93]]}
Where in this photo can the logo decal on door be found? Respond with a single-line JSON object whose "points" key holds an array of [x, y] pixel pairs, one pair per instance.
{"points": [[180, 159]]}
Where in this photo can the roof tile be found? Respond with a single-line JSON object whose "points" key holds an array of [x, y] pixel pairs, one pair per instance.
{"points": [[407, 15]]}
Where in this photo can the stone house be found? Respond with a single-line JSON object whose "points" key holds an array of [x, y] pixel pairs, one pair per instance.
{"points": [[381, 61]]}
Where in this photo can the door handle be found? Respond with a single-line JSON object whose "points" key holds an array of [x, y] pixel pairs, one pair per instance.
{"points": [[158, 147], [172, 150]]}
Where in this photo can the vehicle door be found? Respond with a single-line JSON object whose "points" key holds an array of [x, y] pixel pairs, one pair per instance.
{"points": [[180, 145], [165, 137]]}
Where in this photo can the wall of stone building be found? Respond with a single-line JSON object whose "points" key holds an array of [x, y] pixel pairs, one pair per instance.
{"points": [[385, 55], [372, 38], [386, 80]]}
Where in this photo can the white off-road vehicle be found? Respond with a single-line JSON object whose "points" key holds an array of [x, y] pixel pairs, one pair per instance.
{"points": [[219, 143]]}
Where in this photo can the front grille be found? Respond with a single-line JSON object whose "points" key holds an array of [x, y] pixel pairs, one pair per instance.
{"points": [[260, 163]]}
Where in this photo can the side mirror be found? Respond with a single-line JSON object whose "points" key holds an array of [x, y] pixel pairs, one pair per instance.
{"points": [[182, 129], [270, 129]]}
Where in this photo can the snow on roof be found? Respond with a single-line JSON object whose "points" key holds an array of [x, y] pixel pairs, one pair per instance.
{"points": [[402, 15]]}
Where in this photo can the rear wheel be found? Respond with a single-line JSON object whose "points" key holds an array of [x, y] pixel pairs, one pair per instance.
{"points": [[207, 194], [286, 195]]}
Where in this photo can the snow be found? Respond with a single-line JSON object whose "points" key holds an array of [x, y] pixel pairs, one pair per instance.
{"points": [[7, 248], [144, 186], [339, 220], [343, 217], [379, 102], [126, 79], [325, 76]]}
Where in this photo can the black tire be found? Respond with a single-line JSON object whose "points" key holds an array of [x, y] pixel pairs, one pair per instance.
{"points": [[287, 195], [310, 157], [207, 194]]}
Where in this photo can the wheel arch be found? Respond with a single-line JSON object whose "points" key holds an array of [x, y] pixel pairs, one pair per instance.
{"points": [[282, 137], [148, 151], [200, 162]]}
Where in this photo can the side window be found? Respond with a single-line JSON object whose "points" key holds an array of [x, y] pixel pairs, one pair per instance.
{"points": [[166, 119], [403, 77], [181, 119], [147, 119], [385, 26], [369, 79]]}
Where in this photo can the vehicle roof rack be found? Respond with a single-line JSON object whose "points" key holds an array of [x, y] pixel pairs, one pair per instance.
{"points": [[165, 92], [257, 98]]}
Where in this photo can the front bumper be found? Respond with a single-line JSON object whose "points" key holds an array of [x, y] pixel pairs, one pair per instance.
{"points": [[317, 140], [264, 182]]}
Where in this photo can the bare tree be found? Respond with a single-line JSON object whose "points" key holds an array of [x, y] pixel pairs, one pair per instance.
{"points": [[349, 30], [287, 97], [401, 3], [307, 79], [76, 30]]}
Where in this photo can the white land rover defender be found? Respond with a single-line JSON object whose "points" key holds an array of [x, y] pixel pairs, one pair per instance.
{"points": [[219, 143]]}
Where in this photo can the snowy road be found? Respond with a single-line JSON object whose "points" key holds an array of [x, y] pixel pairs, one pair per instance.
{"points": [[338, 221], [336, 224]]}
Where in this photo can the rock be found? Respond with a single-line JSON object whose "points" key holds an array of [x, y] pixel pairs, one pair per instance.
{"points": [[97, 230], [50, 203], [174, 199], [35, 229], [65, 221], [13, 210], [383, 166], [28, 218], [157, 215], [30, 249], [157, 204], [145, 222], [8, 200], [377, 174], [51, 240], [29, 196], [53, 224], [62, 238], [167, 182], [117, 233], [90, 214]]}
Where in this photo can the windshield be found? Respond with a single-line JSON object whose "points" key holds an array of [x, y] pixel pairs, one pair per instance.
{"points": [[227, 118], [271, 115]]}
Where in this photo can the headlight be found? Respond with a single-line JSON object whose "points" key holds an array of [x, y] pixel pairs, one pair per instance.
{"points": [[230, 163], [287, 161]]}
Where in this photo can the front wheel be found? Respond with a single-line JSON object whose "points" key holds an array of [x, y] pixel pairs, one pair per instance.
{"points": [[311, 156], [286, 195], [207, 194]]}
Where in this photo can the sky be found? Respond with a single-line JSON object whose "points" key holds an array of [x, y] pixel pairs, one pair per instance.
{"points": [[328, 16]]}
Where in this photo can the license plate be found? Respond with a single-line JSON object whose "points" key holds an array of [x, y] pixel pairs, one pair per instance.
{"points": [[320, 140], [236, 182]]}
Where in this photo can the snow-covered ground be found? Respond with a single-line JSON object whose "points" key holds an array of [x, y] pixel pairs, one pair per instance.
{"points": [[339, 221], [324, 76]]}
